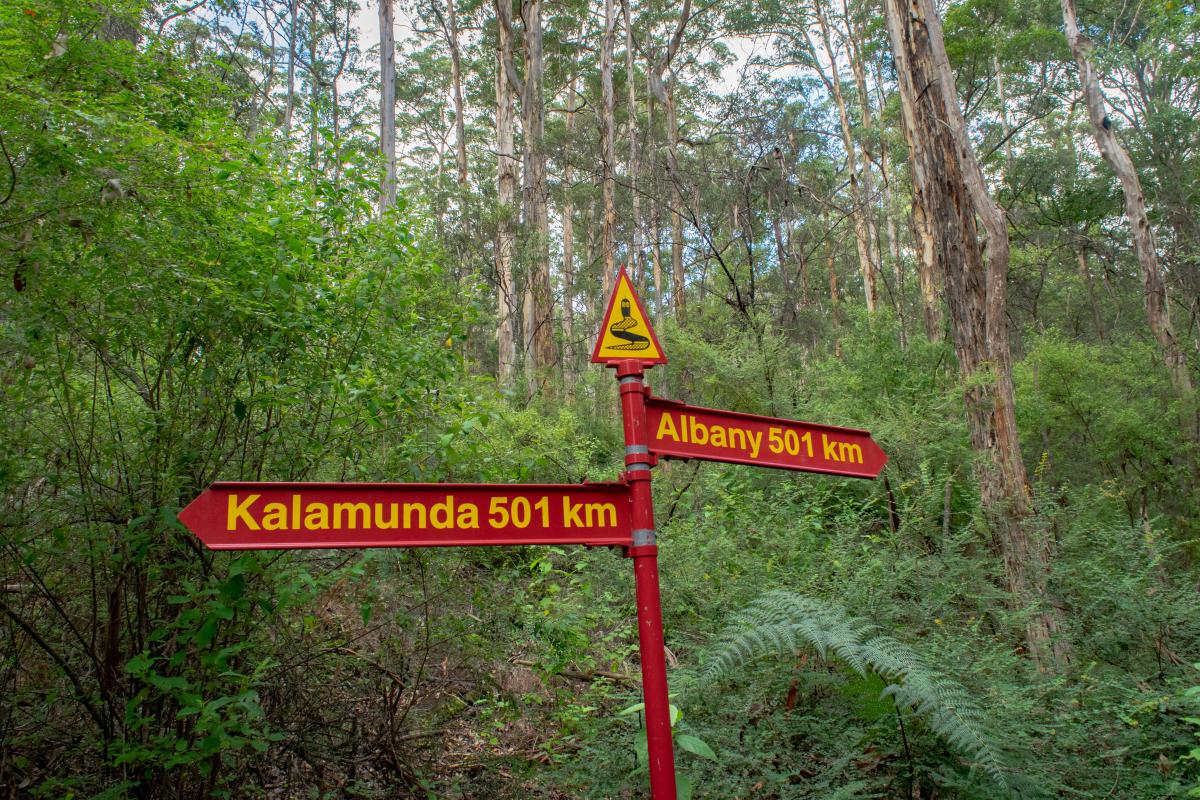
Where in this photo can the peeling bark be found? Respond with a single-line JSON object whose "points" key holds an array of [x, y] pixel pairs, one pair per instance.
{"points": [[506, 186], [1157, 306], [949, 185]]}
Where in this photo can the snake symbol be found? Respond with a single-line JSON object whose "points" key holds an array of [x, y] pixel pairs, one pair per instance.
{"points": [[621, 330]]}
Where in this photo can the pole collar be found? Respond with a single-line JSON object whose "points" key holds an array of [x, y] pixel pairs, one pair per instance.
{"points": [[630, 368], [643, 537]]}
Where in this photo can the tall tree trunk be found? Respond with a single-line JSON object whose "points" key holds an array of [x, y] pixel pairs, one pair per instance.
{"points": [[893, 238], [927, 270], [608, 156], [678, 296], [1005, 128], [831, 268], [796, 254], [343, 55], [656, 207], [666, 96], [853, 39], [860, 213], [591, 298], [290, 107], [635, 247], [568, 248], [952, 193], [788, 313], [387, 103], [1157, 306], [450, 25], [314, 97], [1085, 273], [538, 316], [506, 187]]}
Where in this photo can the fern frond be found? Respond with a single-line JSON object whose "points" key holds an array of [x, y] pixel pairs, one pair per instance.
{"points": [[781, 622], [947, 707]]}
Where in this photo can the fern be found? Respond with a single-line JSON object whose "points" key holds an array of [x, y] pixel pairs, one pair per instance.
{"points": [[781, 622]]}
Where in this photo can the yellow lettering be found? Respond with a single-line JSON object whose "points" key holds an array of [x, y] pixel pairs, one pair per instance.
{"points": [[601, 515], [393, 519], [666, 427], [352, 511], [417, 509], [719, 433], [468, 516], [829, 448], [316, 517], [441, 516], [238, 511], [275, 517], [571, 518]]}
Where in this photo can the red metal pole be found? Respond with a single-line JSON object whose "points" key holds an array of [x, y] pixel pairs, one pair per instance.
{"points": [[645, 570]]}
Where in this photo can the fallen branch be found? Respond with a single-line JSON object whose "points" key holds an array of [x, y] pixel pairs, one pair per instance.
{"points": [[588, 675]]}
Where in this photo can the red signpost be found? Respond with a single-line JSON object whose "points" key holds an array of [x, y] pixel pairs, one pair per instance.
{"points": [[682, 431], [644, 552], [261, 516], [628, 343]]}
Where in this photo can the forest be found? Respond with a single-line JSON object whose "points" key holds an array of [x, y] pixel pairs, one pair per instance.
{"points": [[336, 241]]}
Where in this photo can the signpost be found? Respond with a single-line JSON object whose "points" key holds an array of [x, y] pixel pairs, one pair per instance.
{"points": [[261, 516], [268, 516], [682, 431], [625, 332]]}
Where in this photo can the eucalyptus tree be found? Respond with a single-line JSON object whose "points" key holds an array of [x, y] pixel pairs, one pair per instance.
{"points": [[950, 186], [1144, 245], [387, 102]]}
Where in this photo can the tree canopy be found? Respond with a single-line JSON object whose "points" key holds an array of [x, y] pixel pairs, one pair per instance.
{"points": [[258, 240]]}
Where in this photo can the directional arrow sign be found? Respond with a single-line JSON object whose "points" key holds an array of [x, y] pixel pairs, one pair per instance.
{"points": [[266, 516], [682, 431]]}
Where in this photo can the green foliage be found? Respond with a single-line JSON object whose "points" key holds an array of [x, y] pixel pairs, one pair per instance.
{"points": [[782, 622], [1191, 697], [198, 294]]}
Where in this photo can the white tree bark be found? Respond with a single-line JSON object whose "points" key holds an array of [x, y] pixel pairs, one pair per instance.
{"points": [[506, 188], [1157, 307], [608, 155], [387, 103]]}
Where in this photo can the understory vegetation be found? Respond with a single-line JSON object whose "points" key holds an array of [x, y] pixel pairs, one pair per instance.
{"points": [[199, 284]]}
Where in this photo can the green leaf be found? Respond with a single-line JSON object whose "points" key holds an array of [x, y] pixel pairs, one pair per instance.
{"points": [[207, 632], [695, 745], [166, 683], [138, 664], [233, 588], [684, 788]]}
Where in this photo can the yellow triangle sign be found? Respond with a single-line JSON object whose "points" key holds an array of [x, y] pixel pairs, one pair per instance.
{"points": [[625, 333]]}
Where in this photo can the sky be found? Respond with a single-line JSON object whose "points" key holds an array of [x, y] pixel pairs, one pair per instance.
{"points": [[367, 21]]}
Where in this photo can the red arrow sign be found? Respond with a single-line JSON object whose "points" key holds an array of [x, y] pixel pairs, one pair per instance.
{"points": [[266, 516], [683, 431]]}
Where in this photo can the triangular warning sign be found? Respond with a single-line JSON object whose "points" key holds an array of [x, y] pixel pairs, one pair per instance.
{"points": [[625, 333]]}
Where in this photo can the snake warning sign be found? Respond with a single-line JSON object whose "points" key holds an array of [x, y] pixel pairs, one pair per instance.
{"points": [[625, 333]]}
